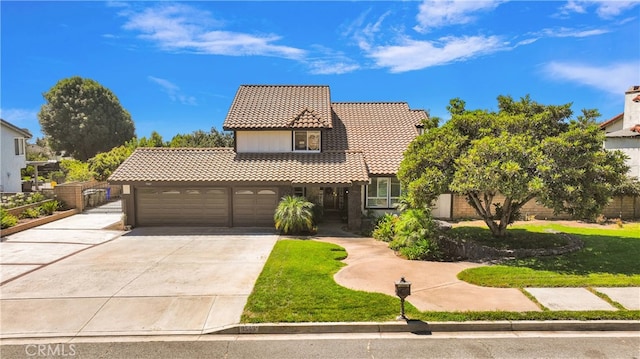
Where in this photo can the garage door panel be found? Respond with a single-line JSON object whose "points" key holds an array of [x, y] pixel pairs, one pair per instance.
{"points": [[254, 206], [175, 206]]}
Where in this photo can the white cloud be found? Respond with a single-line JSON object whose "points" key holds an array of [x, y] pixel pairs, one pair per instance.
{"points": [[173, 91], [415, 55], [23, 118], [179, 27], [330, 62], [605, 9], [18, 116], [614, 78], [438, 13], [609, 9], [322, 67], [560, 33]]}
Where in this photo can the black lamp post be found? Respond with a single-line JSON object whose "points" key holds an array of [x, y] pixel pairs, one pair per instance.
{"points": [[403, 290]]}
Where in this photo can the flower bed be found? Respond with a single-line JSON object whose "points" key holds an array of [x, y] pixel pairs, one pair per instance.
{"points": [[16, 211], [13, 200], [25, 224]]}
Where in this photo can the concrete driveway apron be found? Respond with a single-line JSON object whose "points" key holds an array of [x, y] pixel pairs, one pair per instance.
{"points": [[148, 281]]}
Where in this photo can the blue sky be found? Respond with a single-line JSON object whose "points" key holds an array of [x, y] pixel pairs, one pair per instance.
{"points": [[175, 66]]}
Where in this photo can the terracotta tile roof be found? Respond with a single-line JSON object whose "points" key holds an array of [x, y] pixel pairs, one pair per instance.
{"points": [[381, 130], [279, 106], [224, 165]]}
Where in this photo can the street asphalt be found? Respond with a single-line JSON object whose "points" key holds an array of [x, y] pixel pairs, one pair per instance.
{"points": [[80, 276]]}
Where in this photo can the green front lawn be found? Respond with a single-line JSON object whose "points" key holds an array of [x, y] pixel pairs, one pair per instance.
{"points": [[610, 258], [296, 285]]}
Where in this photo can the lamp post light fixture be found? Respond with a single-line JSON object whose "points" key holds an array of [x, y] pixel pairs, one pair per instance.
{"points": [[403, 290]]}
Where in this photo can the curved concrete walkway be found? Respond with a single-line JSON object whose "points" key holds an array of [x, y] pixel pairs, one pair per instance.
{"points": [[373, 267]]}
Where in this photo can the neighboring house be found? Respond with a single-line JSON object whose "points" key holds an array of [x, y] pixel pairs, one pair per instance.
{"points": [[13, 141], [288, 140], [623, 131]]}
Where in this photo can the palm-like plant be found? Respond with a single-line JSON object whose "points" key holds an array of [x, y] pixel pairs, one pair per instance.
{"points": [[294, 215]]}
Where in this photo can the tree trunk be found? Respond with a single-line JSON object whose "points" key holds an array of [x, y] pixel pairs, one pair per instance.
{"points": [[482, 206], [483, 209]]}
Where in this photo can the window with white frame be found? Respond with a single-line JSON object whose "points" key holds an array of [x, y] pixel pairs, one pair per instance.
{"points": [[306, 141], [299, 191], [383, 192], [19, 146]]}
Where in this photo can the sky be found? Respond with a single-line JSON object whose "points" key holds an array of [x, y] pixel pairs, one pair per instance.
{"points": [[176, 66]]}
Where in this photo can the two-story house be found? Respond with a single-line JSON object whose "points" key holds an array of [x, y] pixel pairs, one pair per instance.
{"points": [[13, 141], [623, 131], [343, 156]]}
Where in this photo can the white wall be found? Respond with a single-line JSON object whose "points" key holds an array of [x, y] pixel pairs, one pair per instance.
{"points": [[631, 147], [10, 179], [631, 109], [441, 209], [263, 141]]}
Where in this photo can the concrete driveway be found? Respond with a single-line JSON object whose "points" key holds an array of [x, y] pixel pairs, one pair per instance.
{"points": [[148, 281]]}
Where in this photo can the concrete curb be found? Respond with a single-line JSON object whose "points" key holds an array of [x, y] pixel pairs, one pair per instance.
{"points": [[417, 326]]}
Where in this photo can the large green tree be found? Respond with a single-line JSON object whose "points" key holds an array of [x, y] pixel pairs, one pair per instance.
{"points": [[83, 118], [199, 138], [525, 150]]}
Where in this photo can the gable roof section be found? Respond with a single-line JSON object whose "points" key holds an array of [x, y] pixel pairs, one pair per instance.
{"points": [[307, 119], [279, 107], [22, 131], [224, 165], [614, 119], [381, 130]]}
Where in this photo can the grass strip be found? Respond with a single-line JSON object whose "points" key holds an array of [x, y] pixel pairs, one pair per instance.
{"points": [[609, 259]]}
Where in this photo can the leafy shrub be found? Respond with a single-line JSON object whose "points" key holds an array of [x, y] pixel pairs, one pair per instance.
{"points": [[36, 197], [30, 213], [76, 170], [57, 176], [420, 250], [103, 164], [7, 220], [48, 208], [415, 233], [385, 227], [294, 215]]}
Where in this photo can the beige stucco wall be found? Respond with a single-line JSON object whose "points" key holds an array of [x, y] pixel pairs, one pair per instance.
{"points": [[263, 141]]}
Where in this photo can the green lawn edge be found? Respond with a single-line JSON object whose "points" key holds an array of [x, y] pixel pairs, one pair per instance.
{"points": [[296, 285], [609, 259]]}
